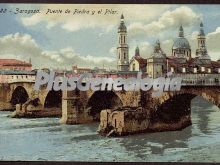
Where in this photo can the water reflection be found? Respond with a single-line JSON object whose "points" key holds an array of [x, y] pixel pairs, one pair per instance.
{"points": [[156, 143], [201, 112]]}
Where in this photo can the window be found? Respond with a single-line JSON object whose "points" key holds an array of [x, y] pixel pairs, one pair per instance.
{"points": [[124, 56], [218, 70], [133, 67], [203, 69], [209, 70], [172, 69], [119, 55], [195, 70], [184, 70], [124, 39]]}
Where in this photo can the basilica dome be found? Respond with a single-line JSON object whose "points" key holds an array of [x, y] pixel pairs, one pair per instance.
{"points": [[205, 57], [181, 42]]}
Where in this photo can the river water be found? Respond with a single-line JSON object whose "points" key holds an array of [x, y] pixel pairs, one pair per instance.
{"points": [[46, 139]]}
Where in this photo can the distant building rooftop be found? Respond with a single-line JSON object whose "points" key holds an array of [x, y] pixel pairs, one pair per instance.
{"points": [[13, 62], [17, 72]]}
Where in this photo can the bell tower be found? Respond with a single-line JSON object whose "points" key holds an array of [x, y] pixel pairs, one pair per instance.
{"points": [[201, 39], [122, 49]]}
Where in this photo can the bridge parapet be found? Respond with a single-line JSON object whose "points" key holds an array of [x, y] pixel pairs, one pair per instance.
{"points": [[21, 81], [199, 79]]}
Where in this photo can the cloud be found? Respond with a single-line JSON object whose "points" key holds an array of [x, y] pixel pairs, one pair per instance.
{"points": [[23, 47], [68, 57], [113, 51], [74, 22], [213, 40], [145, 49], [169, 20]]}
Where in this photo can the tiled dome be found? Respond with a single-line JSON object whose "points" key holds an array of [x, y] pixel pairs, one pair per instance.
{"points": [[181, 42]]}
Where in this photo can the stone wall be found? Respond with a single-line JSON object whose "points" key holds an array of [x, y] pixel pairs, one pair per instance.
{"points": [[122, 121]]}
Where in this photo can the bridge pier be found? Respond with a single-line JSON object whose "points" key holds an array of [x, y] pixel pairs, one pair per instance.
{"points": [[73, 109], [69, 108]]}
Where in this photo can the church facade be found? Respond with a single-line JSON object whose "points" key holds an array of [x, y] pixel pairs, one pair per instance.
{"points": [[158, 64]]}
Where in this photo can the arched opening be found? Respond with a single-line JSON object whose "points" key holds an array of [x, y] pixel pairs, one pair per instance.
{"points": [[19, 96], [177, 107], [53, 99], [173, 109], [101, 100]]}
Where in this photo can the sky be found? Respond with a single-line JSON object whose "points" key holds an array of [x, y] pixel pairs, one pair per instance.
{"points": [[78, 37]]}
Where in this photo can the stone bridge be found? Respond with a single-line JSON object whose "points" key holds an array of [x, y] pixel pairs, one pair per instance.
{"points": [[81, 107], [78, 107], [21, 97]]}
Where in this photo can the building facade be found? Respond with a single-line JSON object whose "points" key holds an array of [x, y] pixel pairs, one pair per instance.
{"points": [[155, 63], [138, 63], [10, 76]]}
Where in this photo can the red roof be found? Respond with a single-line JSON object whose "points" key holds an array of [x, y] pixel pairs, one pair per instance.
{"points": [[141, 60], [13, 62], [215, 63]]}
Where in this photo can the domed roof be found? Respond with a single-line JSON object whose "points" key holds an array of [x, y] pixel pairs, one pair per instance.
{"points": [[181, 42], [205, 57], [158, 52]]}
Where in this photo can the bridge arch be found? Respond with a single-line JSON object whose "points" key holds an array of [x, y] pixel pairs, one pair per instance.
{"points": [[53, 99], [19, 95], [173, 106], [100, 100]]}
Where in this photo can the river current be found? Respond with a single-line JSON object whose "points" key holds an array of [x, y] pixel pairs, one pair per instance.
{"points": [[45, 139]]}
